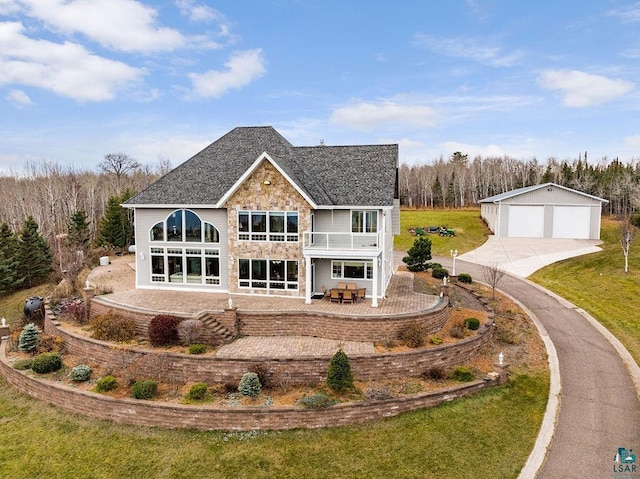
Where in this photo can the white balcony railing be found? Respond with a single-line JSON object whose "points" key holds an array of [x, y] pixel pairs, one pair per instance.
{"points": [[341, 241]]}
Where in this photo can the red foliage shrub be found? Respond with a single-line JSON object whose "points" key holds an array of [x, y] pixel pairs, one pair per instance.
{"points": [[163, 330]]}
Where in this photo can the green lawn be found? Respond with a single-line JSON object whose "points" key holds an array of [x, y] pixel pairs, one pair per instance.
{"points": [[597, 283], [470, 230]]}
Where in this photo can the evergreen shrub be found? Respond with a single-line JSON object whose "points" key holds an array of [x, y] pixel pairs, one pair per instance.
{"points": [[113, 327], [439, 273], [316, 401], [462, 374], [46, 363], [419, 254], [144, 389], [80, 373], [339, 376], [106, 383], [163, 330], [197, 349], [22, 364], [472, 323], [198, 391], [249, 385], [29, 338], [465, 278]]}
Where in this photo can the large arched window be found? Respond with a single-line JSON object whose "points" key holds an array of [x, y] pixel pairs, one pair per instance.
{"points": [[184, 226]]}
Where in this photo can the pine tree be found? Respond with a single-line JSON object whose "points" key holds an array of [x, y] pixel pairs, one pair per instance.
{"points": [[34, 254], [419, 254], [10, 277], [78, 230], [115, 228], [339, 376], [29, 338]]}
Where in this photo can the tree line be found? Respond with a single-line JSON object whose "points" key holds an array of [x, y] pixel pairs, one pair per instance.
{"points": [[458, 182]]}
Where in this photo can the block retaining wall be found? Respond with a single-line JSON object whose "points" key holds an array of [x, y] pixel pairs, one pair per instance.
{"points": [[174, 416], [182, 368]]}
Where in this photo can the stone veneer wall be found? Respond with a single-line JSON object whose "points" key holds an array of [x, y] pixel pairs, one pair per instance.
{"points": [[278, 195], [182, 368], [150, 413]]}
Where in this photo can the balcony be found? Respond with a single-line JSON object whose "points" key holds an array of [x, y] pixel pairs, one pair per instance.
{"points": [[342, 241]]}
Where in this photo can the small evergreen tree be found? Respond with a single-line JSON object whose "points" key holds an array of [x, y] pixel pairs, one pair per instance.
{"points": [[34, 254], [29, 338], [339, 376], [250, 385], [419, 254], [78, 231], [116, 226]]}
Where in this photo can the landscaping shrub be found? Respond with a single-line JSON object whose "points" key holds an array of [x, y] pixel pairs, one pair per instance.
{"points": [[263, 374], [457, 332], [412, 335], [190, 331], [106, 383], [113, 327], [472, 323], [419, 254], [80, 373], [377, 393], [163, 330], [435, 373], [50, 343], [439, 273], [74, 311], [339, 376], [46, 363], [249, 385], [462, 374], [465, 278], [144, 389], [435, 340], [197, 392], [316, 401], [22, 364], [29, 338], [197, 349]]}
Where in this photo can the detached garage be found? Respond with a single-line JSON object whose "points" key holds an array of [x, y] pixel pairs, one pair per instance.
{"points": [[543, 211]]}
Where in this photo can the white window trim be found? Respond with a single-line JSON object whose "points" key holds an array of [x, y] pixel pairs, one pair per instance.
{"points": [[268, 280], [267, 235]]}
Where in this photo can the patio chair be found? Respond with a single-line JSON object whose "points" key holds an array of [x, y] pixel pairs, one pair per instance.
{"points": [[351, 286], [342, 285], [347, 296], [361, 294], [335, 296]]}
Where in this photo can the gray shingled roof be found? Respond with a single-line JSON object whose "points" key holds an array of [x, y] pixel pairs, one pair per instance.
{"points": [[330, 175]]}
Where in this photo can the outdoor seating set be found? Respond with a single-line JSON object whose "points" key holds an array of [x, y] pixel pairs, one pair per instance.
{"points": [[346, 293], [441, 230]]}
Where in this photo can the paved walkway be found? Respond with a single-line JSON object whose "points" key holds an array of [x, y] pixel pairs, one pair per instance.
{"points": [[599, 406], [290, 347]]}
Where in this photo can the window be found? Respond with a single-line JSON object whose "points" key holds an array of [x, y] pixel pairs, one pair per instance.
{"points": [[184, 226], [268, 274], [185, 265], [277, 226], [364, 221], [352, 269]]}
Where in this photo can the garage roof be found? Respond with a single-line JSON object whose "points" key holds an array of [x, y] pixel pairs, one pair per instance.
{"points": [[527, 189]]}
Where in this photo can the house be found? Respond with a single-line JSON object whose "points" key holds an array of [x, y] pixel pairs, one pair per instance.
{"points": [[253, 214], [543, 211]]}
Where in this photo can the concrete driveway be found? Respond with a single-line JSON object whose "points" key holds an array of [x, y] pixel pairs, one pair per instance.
{"points": [[522, 256]]}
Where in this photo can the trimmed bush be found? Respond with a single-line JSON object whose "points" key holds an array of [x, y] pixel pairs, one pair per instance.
{"points": [[197, 392], [106, 383], [190, 331], [249, 385], [23, 364], [46, 363], [163, 330], [197, 349], [472, 323], [462, 374], [80, 373], [412, 335], [29, 338], [465, 278], [439, 273], [316, 401], [339, 376], [113, 327], [144, 389]]}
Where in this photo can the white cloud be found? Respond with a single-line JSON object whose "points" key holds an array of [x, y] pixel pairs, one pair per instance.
{"points": [[125, 25], [195, 12], [583, 89], [18, 98], [447, 148], [627, 14], [367, 116], [242, 68], [8, 6], [469, 48], [66, 68]]}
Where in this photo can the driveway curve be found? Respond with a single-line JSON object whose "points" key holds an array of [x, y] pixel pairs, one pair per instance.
{"points": [[599, 406]]}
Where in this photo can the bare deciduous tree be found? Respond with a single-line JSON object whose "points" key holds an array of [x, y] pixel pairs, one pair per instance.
{"points": [[118, 164], [492, 274], [627, 232]]}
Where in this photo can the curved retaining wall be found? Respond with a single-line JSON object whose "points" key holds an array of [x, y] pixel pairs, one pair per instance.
{"points": [[182, 368], [150, 413]]}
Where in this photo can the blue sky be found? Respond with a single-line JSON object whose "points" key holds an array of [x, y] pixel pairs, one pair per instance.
{"points": [[162, 79]]}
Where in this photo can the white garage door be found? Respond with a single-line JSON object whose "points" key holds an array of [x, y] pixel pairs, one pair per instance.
{"points": [[526, 221], [571, 222]]}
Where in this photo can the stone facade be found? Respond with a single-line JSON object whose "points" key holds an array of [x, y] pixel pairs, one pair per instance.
{"points": [[266, 190]]}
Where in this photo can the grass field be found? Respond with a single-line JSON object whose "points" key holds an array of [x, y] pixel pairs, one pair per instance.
{"points": [[597, 283]]}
